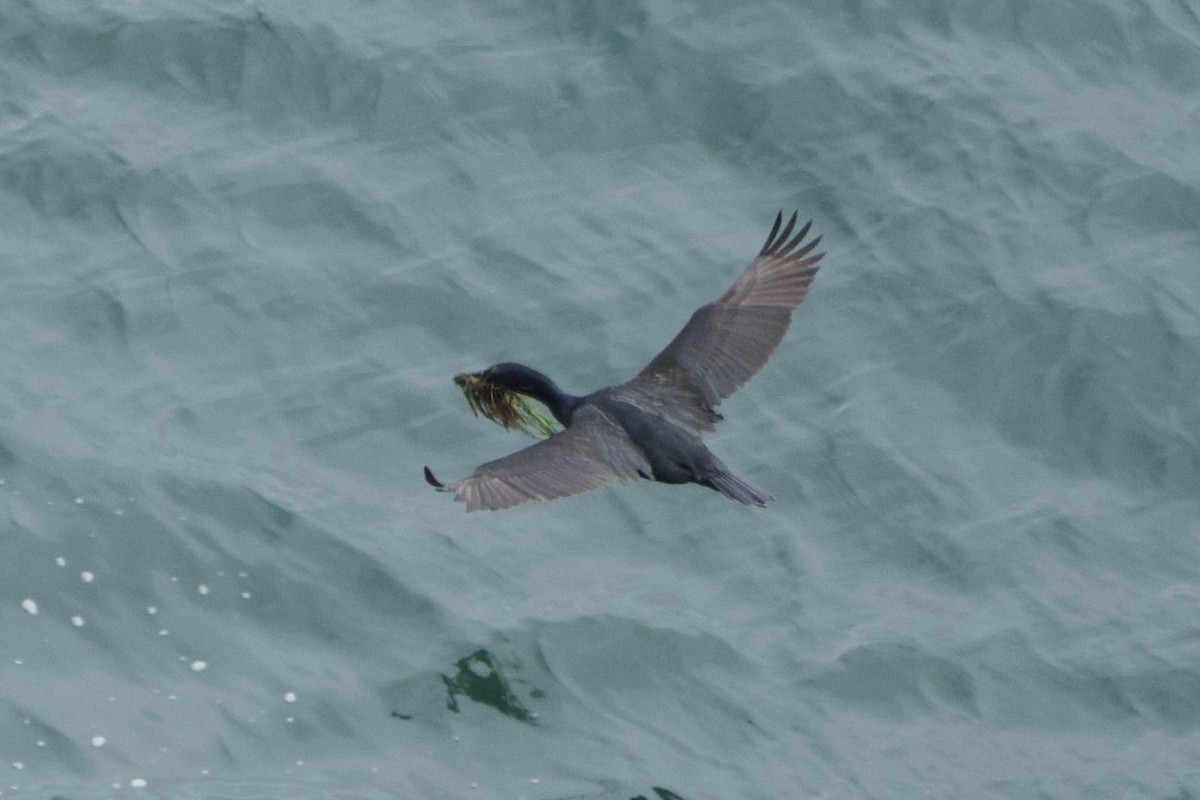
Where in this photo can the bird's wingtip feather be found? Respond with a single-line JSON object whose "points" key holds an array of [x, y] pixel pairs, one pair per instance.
{"points": [[433, 481]]}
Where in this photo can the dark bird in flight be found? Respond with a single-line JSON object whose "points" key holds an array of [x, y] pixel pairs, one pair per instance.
{"points": [[650, 426]]}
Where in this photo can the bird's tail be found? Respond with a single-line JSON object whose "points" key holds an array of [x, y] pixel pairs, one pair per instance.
{"points": [[737, 488]]}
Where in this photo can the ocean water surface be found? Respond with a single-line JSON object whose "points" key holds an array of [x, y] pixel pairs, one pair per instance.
{"points": [[245, 246]]}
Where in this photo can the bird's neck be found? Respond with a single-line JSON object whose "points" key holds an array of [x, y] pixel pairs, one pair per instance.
{"points": [[546, 392]]}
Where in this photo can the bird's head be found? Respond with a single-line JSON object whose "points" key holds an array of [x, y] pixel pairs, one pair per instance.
{"points": [[513, 378]]}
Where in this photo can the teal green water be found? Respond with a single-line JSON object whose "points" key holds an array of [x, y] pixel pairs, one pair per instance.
{"points": [[244, 248]]}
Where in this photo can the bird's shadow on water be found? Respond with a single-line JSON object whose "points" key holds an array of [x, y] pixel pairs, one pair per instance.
{"points": [[482, 677]]}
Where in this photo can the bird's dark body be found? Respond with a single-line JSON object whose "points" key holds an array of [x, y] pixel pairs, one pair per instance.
{"points": [[651, 426], [675, 454]]}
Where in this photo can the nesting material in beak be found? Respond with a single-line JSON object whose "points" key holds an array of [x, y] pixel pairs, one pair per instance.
{"points": [[503, 407]]}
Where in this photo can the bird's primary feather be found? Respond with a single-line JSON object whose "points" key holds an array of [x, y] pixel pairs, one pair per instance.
{"points": [[727, 341]]}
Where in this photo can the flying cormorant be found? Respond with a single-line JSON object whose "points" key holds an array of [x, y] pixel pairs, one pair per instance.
{"points": [[650, 426]]}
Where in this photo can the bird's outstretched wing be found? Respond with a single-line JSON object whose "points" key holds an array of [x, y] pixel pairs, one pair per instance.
{"points": [[592, 453], [727, 341]]}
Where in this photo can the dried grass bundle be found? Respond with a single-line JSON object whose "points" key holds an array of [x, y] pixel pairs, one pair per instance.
{"points": [[503, 407]]}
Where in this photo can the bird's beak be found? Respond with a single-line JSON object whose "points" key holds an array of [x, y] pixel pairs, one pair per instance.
{"points": [[461, 378]]}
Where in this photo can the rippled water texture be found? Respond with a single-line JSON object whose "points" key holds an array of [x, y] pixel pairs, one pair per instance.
{"points": [[244, 248]]}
